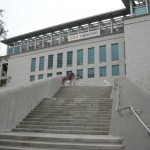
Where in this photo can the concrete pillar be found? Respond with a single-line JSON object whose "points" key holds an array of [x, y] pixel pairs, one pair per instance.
{"points": [[146, 5], [89, 27], [51, 38], [28, 44], [99, 27], [131, 8], [20, 46], [35, 43], [43, 41], [111, 25], [78, 29], [60, 37], [69, 32]]}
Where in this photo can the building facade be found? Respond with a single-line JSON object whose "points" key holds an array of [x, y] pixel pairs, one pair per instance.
{"points": [[97, 48]]}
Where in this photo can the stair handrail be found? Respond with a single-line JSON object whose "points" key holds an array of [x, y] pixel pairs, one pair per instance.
{"points": [[130, 108]]}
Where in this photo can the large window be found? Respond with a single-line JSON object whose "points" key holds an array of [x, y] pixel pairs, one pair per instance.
{"points": [[10, 51], [41, 63], [59, 60], [33, 64], [40, 76], [69, 58], [91, 55], [49, 75], [115, 52], [80, 73], [32, 78], [103, 71], [115, 70], [59, 73], [90, 72], [80, 57], [102, 53], [68, 73], [17, 50], [50, 61]]}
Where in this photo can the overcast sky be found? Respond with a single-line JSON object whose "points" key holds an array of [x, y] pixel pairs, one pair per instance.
{"points": [[23, 16]]}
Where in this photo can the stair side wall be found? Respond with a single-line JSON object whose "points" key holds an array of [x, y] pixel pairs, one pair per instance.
{"points": [[16, 103]]}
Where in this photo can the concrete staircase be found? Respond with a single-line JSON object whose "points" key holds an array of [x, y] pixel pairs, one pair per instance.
{"points": [[77, 118]]}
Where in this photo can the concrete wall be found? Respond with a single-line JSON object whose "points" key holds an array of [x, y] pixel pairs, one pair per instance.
{"points": [[20, 65], [127, 126], [137, 41], [16, 103]]}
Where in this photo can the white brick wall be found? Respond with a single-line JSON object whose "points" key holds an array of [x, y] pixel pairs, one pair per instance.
{"points": [[20, 65], [137, 38]]}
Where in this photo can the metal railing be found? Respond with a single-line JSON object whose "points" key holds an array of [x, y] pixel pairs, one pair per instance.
{"points": [[130, 108]]}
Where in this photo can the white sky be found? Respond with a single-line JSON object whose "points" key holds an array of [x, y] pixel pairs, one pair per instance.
{"points": [[23, 16]]}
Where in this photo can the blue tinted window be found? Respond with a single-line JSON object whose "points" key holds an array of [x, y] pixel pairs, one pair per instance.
{"points": [[80, 57], [80, 73], [10, 51], [69, 58], [33, 64], [59, 60], [140, 10], [41, 63], [90, 72], [103, 71], [40, 76], [102, 53], [50, 61], [32, 78], [17, 50], [91, 55], [114, 52], [115, 70]]}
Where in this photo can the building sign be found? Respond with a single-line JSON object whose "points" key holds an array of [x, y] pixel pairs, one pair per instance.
{"points": [[83, 35]]}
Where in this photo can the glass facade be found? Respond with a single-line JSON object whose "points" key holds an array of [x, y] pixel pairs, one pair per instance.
{"points": [[33, 64], [17, 50], [50, 61], [10, 51], [115, 70], [90, 72], [115, 51], [80, 57], [32, 78], [91, 55], [40, 76], [140, 10], [69, 58], [59, 60], [80, 73], [41, 63], [102, 53], [103, 71]]}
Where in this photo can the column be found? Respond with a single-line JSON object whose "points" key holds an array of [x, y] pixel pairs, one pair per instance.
{"points": [[89, 27], [28, 44], [51, 38], [111, 25], [99, 27], [60, 37], [131, 8], [146, 5], [43, 41], [35, 43], [20, 46]]}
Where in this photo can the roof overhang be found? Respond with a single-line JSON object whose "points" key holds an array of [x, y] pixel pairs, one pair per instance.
{"points": [[113, 14]]}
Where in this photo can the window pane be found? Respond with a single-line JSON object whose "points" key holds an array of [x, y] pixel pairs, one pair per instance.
{"points": [[50, 61], [59, 73], [49, 75], [115, 70], [80, 57], [91, 73], [40, 76], [114, 52], [80, 73], [102, 53], [10, 51], [103, 71], [68, 73], [32, 78], [17, 50], [41, 63], [69, 58], [59, 60], [91, 56], [33, 64]]}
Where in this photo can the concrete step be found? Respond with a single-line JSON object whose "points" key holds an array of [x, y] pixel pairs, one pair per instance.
{"points": [[88, 132], [97, 128], [64, 123]]}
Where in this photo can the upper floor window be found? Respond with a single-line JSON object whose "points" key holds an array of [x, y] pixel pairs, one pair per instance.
{"points": [[59, 60], [115, 51], [103, 71], [91, 55], [102, 53], [50, 61], [80, 57], [69, 58], [33, 64], [41, 63], [80, 73]]}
